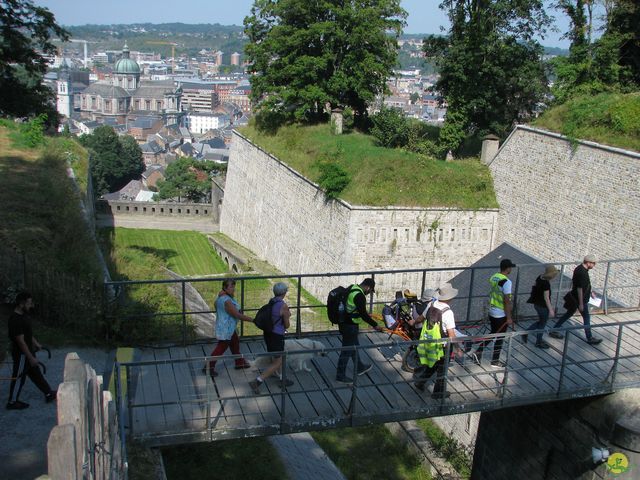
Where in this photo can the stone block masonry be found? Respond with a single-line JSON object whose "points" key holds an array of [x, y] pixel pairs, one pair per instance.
{"points": [[560, 200], [285, 219]]}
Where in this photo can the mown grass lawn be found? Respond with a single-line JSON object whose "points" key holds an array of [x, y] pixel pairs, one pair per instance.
{"points": [[380, 176]]}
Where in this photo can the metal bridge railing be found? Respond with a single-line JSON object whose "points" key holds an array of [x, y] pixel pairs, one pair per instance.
{"points": [[571, 371], [137, 319]]}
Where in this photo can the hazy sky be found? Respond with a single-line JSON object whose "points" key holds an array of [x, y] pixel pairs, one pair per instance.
{"points": [[424, 15]]}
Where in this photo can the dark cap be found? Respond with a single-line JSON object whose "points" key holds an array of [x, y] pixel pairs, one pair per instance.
{"points": [[369, 282], [506, 263]]}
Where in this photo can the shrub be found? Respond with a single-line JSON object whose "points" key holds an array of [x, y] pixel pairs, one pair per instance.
{"points": [[33, 131], [390, 128], [333, 179]]}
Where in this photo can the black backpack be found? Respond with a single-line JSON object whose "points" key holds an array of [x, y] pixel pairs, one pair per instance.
{"points": [[434, 316], [263, 318], [337, 305]]}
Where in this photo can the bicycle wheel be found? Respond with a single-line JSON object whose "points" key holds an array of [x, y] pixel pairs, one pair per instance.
{"points": [[410, 359]]}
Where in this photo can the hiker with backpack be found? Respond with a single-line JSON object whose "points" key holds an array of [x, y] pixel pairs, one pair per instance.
{"points": [[355, 311], [227, 315], [274, 336], [439, 323]]}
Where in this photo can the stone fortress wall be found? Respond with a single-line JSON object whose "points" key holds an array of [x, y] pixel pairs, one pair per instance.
{"points": [[561, 199], [285, 219]]}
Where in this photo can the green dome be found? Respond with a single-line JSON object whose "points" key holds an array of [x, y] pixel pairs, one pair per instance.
{"points": [[125, 65]]}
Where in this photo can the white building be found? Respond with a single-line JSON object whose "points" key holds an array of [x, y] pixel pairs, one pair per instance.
{"points": [[200, 122]]}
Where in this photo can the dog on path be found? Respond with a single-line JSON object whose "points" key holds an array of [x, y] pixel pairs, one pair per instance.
{"points": [[297, 361]]}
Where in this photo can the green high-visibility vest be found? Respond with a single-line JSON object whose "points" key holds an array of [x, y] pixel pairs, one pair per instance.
{"points": [[351, 304], [496, 297], [430, 353]]}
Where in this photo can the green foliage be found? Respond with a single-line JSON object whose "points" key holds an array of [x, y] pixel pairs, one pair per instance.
{"points": [[306, 55], [381, 176], [181, 180], [33, 130], [333, 179], [390, 128], [448, 447], [115, 160], [356, 452], [26, 36], [491, 73], [612, 119]]}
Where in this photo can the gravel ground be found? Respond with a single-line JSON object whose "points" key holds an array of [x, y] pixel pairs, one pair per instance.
{"points": [[23, 441]]}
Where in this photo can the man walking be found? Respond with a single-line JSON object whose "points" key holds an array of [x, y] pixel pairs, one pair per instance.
{"points": [[500, 307], [23, 348], [578, 299], [356, 312]]}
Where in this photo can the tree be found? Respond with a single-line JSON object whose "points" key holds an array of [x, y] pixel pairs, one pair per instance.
{"points": [[184, 179], [305, 55], [114, 161], [25, 36], [491, 70]]}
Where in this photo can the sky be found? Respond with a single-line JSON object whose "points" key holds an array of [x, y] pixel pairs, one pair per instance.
{"points": [[424, 15]]}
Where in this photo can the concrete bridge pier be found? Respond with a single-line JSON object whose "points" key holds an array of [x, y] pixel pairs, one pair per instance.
{"points": [[554, 441]]}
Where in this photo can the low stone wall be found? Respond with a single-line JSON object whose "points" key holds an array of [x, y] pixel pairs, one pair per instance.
{"points": [[156, 209]]}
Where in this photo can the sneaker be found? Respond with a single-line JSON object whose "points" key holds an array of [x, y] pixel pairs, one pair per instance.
{"points": [[397, 357], [255, 386], [594, 341], [17, 405], [285, 383], [542, 344], [240, 366], [498, 364], [346, 380], [51, 396], [556, 335], [440, 395], [212, 373], [474, 358], [364, 369], [419, 386], [525, 338]]}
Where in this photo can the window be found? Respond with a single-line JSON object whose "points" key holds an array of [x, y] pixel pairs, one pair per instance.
{"points": [[206, 212], [171, 210], [179, 210], [188, 211], [127, 208], [162, 210], [144, 209], [153, 209], [118, 207], [148, 104], [197, 211], [135, 209]]}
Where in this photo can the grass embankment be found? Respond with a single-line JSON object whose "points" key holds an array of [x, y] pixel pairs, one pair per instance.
{"points": [[608, 118], [370, 452], [447, 447], [380, 176]]}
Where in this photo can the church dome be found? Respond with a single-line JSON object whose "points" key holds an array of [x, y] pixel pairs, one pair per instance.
{"points": [[127, 66]]}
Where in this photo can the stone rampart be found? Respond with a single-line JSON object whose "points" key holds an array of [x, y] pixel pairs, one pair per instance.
{"points": [[560, 199], [156, 209], [285, 219]]}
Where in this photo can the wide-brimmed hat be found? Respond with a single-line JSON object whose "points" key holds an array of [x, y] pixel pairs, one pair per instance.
{"points": [[428, 294], [550, 272], [447, 292]]}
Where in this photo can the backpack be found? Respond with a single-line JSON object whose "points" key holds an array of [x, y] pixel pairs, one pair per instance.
{"points": [[263, 318], [434, 316], [337, 305]]}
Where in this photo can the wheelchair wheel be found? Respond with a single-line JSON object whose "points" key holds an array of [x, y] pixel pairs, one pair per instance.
{"points": [[410, 359]]}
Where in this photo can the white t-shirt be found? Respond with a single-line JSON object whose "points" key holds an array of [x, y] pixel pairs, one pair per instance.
{"points": [[506, 290], [448, 319]]}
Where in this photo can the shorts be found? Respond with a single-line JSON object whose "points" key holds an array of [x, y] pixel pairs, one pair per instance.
{"points": [[275, 342]]}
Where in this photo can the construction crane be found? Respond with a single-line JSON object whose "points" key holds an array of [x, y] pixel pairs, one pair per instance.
{"points": [[173, 51], [86, 60]]}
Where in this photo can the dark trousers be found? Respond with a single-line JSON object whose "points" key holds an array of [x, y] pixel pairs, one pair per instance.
{"points": [[498, 325], [222, 346], [349, 334], [543, 316], [423, 373], [586, 317], [20, 365]]}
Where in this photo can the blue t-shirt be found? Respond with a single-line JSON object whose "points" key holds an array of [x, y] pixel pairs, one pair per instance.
{"points": [[225, 323], [276, 318]]}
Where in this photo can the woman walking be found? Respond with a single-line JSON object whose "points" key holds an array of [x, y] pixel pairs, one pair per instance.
{"points": [[541, 300]]}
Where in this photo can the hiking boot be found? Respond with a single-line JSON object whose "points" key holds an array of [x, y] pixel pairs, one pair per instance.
{"points": [[440, 395], [525, 338], [557, 335], [364, 369], [419, 386], [51, 396], [212, 373], [255, 386], [542, 344], [17, 405], [594, 341], [498, 364], [285, 383], [344, 379]]}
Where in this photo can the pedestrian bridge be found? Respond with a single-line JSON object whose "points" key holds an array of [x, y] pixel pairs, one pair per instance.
{"points": [[166, 398]]}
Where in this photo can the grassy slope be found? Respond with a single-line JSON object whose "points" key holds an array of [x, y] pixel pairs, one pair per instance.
{"points": [[610, 119], [381, 176]]}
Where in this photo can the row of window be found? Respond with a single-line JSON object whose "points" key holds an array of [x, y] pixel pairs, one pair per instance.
{"points": [[153, 210], [406, 235]]}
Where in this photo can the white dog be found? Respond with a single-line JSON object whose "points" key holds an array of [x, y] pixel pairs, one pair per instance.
{"points": [[297, 361]]}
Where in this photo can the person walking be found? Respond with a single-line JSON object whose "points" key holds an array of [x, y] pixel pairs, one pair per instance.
{"points": [[541, 300], [500, 307], [23, 348], [356, 312], [227, 315], [439, 323], [274, 339], [578, 299]]}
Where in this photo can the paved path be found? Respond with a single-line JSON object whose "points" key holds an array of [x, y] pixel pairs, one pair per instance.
{"points": [[24, 434], [157, 223], [304, 459]]}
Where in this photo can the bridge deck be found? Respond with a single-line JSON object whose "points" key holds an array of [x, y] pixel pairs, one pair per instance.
{"points": [[170, 400]]}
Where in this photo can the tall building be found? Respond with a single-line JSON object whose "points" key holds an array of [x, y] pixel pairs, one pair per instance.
{"points": [[64, 103], [217, 58], [235, 58]]}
